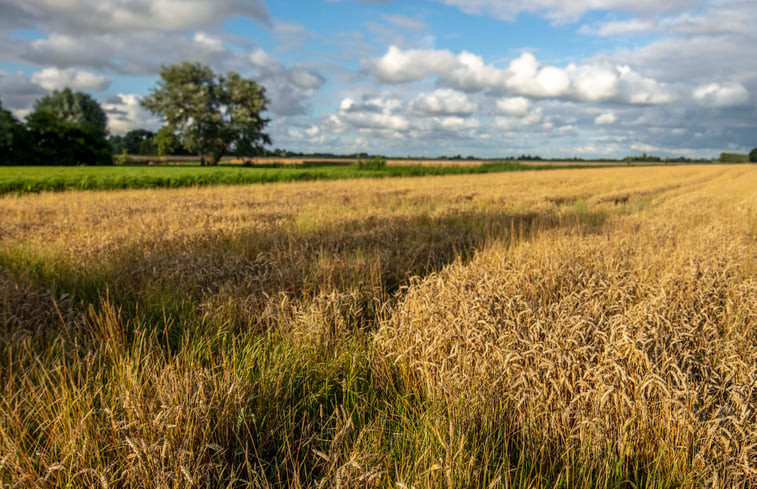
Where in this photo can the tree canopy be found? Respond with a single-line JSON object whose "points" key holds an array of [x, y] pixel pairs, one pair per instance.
{"points": [[72, 107], [68, 128], [210, 113], [753, 155]]}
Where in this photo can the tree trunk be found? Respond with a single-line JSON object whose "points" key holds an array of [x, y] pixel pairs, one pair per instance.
{"points": [[216, 157], [202, 159]]}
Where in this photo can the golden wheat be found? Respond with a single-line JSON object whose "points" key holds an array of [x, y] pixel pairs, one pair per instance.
{"points": [[634, 340]]}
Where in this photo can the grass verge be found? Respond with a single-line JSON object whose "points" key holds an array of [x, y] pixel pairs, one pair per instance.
{"points": [[20, 179]]}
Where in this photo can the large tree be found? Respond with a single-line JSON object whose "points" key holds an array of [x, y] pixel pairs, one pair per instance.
{"points": [[753, 155], [68, 128], [210, 113]]}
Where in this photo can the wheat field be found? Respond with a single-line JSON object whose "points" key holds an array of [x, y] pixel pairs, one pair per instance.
{"points": [[566, 328]]}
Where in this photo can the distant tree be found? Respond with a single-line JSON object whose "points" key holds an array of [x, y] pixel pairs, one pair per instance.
{"points": [[753, 155], [68, 128], [139, 142], [165, 142], [210, 113]]}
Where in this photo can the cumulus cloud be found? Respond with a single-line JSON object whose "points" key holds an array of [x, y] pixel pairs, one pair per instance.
{"points": [[132, 53], [525, 76], [207, 40], [445, 116], [593, 83], [53, 79], [398, 66], [287, 87], [605, 118], [372, 120], [514, 106], [721, 95], [445, 101]]}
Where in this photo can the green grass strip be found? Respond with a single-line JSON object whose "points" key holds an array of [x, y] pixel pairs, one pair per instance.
{"points": [[31, 179]]}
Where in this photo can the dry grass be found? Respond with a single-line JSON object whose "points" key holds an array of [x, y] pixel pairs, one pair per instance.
{"points": [[588, 328]]}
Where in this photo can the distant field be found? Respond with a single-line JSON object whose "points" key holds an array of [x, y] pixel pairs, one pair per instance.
{"points": [[571, 328], [26, 179]]}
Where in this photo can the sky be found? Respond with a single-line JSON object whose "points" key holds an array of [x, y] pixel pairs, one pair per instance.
{"points": [[488, 78]]}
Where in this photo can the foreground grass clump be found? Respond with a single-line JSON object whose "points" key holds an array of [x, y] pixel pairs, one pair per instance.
{"points": [[568, 328]]}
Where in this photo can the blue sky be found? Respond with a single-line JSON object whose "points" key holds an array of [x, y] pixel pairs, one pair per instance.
{"points": [[488, 78]]}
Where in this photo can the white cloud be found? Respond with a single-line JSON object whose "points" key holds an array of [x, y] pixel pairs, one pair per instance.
{"points": [[53, 79], [593, 83], [445, 101], [208, 41], [458, 123], [398, 66], [370, 120], [721, 95], [471, 74], [261, 59], [605, 118], [371, 113], [125, 113], [514, 106], [525, 76]]}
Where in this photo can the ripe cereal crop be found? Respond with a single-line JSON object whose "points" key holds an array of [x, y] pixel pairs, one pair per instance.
{"points": [[566, 328]]}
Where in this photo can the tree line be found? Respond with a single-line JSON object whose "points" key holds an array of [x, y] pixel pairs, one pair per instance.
{"points": [[65, 128], [204, 113]]}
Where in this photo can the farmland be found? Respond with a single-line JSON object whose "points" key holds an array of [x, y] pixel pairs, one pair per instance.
{"points": [[571, 328]]}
